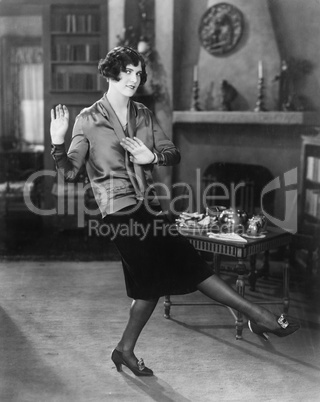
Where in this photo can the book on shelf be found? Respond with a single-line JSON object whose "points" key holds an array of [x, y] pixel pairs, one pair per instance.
{"points": [[313, 169], [65, 81], [75, 52], [75, 23], [312, 204]]}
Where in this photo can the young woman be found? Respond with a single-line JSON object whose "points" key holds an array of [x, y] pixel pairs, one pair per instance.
{"points": [[119, 141]]}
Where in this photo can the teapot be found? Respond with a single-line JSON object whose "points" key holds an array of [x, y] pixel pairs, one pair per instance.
{"points": [[233, 220]]}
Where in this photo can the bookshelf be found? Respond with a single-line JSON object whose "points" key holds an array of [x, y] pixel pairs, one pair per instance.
{"points": [[75, 38], [75, 48], [308, 236], [310, 182]]}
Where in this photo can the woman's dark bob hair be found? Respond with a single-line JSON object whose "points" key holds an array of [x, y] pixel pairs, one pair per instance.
{"points": [[118, 59]]}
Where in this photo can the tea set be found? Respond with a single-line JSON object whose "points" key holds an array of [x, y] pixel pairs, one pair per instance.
{"points": [[224, 220]]}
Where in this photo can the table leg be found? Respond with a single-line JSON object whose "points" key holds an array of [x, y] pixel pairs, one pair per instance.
{"points": [[216, 263], [253, 275], [265, 266], [167, 306], [240, 286], [286, 293]]}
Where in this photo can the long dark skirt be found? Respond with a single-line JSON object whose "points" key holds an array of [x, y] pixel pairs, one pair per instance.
{"points": [[156, 259]]}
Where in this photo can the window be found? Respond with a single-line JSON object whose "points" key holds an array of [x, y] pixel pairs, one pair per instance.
{"points": [[23, 119]]}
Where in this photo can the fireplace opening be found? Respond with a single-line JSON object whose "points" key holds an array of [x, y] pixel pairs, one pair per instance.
{"points": [[239, 185]]}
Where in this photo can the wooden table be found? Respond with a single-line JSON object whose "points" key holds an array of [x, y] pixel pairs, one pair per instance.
{"points": [[273, 239]]}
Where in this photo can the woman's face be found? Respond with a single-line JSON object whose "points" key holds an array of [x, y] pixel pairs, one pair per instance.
{"points": [[129, 80]]}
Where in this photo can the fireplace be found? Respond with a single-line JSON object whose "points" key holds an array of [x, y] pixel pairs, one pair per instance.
{"points": [[247, 140], [243, 182]]}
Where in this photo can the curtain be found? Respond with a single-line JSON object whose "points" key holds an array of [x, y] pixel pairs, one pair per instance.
{"points": [[27, 88], [31, 79]]}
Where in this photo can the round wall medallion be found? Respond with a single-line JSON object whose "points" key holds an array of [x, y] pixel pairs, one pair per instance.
{"points": [[221, 28]]}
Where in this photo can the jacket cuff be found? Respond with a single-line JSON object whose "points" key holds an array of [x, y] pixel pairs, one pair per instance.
{"points": [[57, 148], [162, 161]]}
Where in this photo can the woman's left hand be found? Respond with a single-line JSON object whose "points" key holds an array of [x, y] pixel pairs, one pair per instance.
{"points": [[140, 154]]}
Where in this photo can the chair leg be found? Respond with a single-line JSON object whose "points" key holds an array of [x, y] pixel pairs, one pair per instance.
{"points": [[309, 272], [167, 306]]}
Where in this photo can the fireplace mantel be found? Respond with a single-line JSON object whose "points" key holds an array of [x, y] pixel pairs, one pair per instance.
{"points": [[261, 118]]}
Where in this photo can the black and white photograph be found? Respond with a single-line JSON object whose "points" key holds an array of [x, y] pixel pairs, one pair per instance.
{"points": [[159, 201]]}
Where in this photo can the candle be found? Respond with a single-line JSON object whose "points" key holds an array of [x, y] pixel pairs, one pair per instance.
{"points": [[195, 73], [260, 71]]}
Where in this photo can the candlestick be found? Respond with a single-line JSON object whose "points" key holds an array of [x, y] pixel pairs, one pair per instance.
{"points": [[195, 96], [260, 101], [260, 71], [195, 73]]}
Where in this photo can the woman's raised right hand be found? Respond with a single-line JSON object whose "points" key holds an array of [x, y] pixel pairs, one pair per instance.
{"points": [[59, 124]]}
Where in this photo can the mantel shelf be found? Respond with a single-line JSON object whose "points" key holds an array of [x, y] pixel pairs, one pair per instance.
{"points": [[272, 118]]}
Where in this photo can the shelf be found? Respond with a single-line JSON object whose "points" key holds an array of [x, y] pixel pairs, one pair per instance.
{"points": [[313, 144], [74, 91], [311, 219], [78, 62], [314, 185], [76, 34], [271, 118]]}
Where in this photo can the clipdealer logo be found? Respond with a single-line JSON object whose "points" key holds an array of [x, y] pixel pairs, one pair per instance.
{"points": [[289, 180], [290, 221]]}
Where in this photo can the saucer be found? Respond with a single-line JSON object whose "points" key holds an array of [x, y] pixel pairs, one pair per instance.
{"points": [[260, 236]]}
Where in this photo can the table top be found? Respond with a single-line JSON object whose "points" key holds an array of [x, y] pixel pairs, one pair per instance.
{"points": [[272, 238]]}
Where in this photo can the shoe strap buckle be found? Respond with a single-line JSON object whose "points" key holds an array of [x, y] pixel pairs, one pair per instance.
{"points": [[283, 322], [141, 365]]}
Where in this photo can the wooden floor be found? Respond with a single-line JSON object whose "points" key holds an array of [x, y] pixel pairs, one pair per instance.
{"points": [[60, 321]]}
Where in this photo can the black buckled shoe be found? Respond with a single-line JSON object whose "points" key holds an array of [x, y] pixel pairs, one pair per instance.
{"points": [[285, 328], [139, 369]]}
